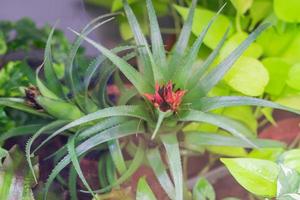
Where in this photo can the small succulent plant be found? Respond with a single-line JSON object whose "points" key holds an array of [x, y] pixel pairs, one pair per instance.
{"points": [[168, 91]]}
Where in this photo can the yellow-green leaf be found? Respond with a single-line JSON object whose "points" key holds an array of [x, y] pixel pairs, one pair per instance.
{"points": [[242, 5], [278, 70], [257, 176], [254, 50], [287, 10], [248, 76]]}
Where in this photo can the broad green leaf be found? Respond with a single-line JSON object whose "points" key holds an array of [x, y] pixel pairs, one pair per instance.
{"points": [[257, 176], [281, 40], [291, 159], [173, 156], [254, 50], [266, 153], [287, 10], [288, 181], [144, 191], [203, 190], [278, 70], [293, 79], [242, 5], [292, 50], [290, 101], [160, 171], [248, 76], [228, 151], [195, 138], [201, 19]]}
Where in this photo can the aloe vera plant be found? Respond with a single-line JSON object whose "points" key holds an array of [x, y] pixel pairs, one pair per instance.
{"points": [[168, 92]]}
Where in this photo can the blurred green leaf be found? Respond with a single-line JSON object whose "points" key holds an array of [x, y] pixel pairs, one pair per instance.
{"points": [[293, 79], [288, 181], [278, 70], [203, 190], [292, 51], [243, 114], [291, 159], [242, 5], [254, 50], [117, 4], [266, 153], [144, 191], [290, 101], [280, 40], [257, 176], [3, 46], [16, 179], [248, 76], [287, 10]]}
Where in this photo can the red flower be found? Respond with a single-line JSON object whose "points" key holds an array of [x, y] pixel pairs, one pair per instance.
{"points": [[165, 99]]}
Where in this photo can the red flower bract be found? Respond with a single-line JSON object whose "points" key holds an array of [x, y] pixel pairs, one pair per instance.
{"points": [[165, 99]]}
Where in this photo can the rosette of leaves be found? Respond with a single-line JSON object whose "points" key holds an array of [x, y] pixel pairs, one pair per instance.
{"points": [[169, 91], [21, 50]]}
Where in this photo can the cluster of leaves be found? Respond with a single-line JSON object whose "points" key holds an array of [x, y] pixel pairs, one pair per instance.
{"points": [[270, 67], [274, 174], [78, 106], [21, 50]]}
